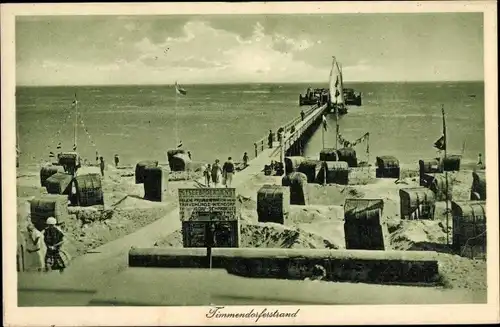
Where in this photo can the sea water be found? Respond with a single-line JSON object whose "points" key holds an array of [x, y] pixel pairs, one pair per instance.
{"points": [[216, 121]]}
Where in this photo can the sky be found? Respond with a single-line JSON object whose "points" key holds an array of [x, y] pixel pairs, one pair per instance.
{"points": [[101, 50]]}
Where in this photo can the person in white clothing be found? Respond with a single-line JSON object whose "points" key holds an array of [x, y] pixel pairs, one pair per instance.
{"points": [[34, 256]]}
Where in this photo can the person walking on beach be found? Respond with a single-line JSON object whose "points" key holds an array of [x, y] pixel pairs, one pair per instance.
{"points": [[228, 170], [117, 160], [35, 249], [216, 173], [101, 165], [55, 258], [480, 160], [206, 173], [270, 139], [245, 160]]}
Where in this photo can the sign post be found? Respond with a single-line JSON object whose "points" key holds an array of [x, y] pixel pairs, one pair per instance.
{"points": [[209, 219]]}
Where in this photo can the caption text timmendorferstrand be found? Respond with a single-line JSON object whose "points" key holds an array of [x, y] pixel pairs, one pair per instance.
{"points": [[222, 313]]}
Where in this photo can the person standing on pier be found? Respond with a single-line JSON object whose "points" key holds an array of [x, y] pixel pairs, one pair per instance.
{"points": [[228, 171], [302, 115], [270, 139]]}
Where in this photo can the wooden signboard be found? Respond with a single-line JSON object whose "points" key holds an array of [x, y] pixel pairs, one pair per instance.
{"points": [[210, 234], [198, 203]]}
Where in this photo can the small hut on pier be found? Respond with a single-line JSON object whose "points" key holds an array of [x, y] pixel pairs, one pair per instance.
{"points": [[297, 182], [387, 167], [417, 203], [362, 224], [478, 189], [348, 155], [469, 228]]}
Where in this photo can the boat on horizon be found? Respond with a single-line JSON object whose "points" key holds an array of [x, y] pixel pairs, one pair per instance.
{"points": [[352, 97]]}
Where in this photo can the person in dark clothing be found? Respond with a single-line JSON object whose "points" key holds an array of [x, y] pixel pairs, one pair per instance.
{"points": [[245, 159], [302, 115], [189, 154], [228, 172], [270, 139], [54, 239], [280, 133], [101, 165], [117, 160]]}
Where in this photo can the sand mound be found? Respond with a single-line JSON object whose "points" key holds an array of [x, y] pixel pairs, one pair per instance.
{"points": [[331, 194], [419, 235], [268, 235], [272, 235]]}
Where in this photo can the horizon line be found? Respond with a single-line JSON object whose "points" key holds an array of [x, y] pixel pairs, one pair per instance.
{"points": [[240, 83]]}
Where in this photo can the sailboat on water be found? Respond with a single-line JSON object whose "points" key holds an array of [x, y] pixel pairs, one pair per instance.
{"points": [[337, 101]]}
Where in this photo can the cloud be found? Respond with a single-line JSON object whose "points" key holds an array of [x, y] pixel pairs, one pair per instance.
{"points": [[204, 50]]}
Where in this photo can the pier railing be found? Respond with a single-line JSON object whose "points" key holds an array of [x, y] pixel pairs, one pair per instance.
{"points": [[290, 139], [261, 144]]}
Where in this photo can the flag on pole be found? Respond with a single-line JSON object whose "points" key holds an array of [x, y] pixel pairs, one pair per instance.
{"points": [[180, 90], [439, 144], [325, 125]]}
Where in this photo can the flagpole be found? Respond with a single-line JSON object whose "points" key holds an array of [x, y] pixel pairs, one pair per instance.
{"points": [[176, 121], [323, 135], [75, 136], [445, 174]]}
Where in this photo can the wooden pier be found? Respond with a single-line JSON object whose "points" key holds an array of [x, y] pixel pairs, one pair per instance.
{"points": [[291, 144]]}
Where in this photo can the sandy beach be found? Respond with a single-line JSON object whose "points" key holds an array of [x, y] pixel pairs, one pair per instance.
{"points": [[314, 226]]}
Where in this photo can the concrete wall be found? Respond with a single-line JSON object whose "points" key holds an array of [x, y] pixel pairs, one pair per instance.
{"points": [[399, 267]]}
